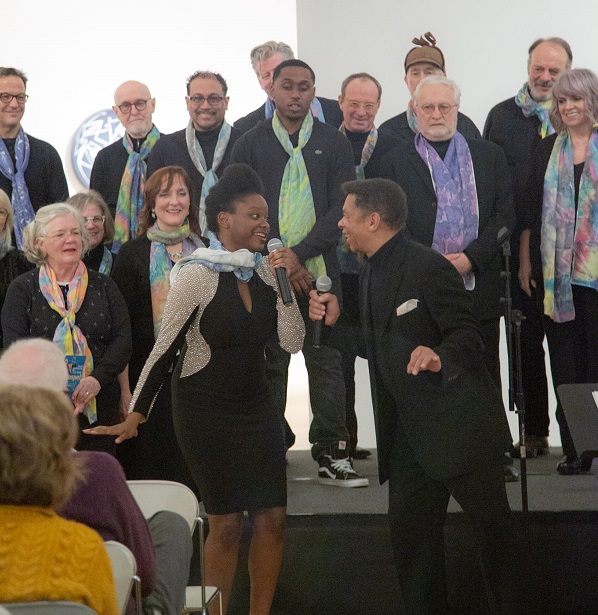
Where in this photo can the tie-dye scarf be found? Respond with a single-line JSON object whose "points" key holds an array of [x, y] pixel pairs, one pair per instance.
{"points": [[161, 264], [296, 211], [457, 215], [568, 243], [530, 107], [199, 160], [106, 263], [21, 203], [67, 336], [368, 150], [130, 193], [217, 258], [315, 108]]}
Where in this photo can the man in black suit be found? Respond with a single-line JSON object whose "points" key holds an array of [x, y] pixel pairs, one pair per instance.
{"points": [[264, 60], [438, 414]]}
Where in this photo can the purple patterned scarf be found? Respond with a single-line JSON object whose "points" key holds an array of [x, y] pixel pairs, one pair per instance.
{"points": [[457, 216]]}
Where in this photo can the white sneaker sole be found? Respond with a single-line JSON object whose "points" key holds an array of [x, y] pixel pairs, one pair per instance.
{"points": [[348, 484]]}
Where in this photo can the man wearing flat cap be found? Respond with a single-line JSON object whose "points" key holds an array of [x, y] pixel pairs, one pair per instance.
{"points": [[422, 61]]}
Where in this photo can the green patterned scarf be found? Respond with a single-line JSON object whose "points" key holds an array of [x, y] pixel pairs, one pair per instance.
{"points": [[530, 107], [130, 194], [296, 211]]}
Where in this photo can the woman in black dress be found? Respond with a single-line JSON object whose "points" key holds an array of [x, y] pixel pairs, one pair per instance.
{"points": [[168, 231], [221, 311]]}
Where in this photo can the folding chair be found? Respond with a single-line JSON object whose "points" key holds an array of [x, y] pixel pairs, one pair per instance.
{"points": [[124, 569], [46, 607], [152, 496]]}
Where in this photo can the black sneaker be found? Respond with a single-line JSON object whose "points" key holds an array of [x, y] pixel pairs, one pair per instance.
{"points": [[339, 473]]}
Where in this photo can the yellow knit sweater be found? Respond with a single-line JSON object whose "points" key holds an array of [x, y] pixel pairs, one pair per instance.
{"points": [[45, 557]]}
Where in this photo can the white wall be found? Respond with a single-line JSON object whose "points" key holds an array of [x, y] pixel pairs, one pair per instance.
{"points": [[76, 53]]}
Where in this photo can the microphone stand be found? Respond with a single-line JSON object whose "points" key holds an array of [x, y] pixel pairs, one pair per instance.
{"points": [[513, 320]]}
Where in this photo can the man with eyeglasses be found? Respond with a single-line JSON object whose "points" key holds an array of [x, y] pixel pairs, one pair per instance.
{"points": [[359, 102], [119, 170], [422, 61], [203, 148], [302, 163], [264, 59], [518, 124], [459, 197], [31, 171]]}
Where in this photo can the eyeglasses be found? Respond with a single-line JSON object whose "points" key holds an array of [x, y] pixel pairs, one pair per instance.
{"points": [[76, 233], [126, 107], [95, 220], [367, 107], [213, 100], [5, 97], [444, 108]]}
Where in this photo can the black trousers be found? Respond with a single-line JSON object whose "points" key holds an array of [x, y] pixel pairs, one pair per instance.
{"points": [[573, 348], [417, 513]]}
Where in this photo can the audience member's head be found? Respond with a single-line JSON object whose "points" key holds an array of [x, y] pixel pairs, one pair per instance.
{"points": [[13, 96], [34, 362], [37, 434]]}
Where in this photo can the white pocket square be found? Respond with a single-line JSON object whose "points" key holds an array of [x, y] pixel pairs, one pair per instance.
{"points": [[407, 307]]}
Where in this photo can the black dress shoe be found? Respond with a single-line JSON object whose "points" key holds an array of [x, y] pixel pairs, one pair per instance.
{"points": [[574, 465]]}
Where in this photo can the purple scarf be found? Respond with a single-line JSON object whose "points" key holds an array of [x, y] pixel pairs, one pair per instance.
{"points": [[457, 216]]}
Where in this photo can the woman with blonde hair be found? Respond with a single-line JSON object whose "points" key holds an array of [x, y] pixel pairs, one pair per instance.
{"points": [[42, 556], [562, 239]]}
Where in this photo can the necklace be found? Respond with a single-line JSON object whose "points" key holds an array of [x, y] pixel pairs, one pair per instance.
{"points": [[176, 255]]}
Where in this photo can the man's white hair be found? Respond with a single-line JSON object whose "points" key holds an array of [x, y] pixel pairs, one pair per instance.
{"points": [[34, 362], [438, 80]]}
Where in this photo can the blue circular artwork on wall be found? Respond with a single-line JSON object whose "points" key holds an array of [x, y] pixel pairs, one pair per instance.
{"points": [[95, 133]]}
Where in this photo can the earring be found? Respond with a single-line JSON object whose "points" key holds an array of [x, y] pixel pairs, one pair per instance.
{"points": [[153, 215]]}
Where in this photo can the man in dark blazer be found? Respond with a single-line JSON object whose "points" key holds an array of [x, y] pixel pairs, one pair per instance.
{"points": [[417, 166], [438, 414]]}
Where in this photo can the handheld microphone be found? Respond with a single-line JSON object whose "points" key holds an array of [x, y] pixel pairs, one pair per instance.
{"points": [[282, 278], [323, 285]]}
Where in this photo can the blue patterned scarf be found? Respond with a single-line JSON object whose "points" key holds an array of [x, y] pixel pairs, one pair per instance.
{"points": [[21, 203], [217, 258]]}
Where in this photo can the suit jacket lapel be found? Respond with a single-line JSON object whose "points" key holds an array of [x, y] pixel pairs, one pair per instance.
{"points": [[421, 168]]}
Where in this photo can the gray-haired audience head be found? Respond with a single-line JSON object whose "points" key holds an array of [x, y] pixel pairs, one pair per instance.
{"points": [[438, 80], [546, 61], [266, 57], [578, 82], [34, 362], [134, 106]]}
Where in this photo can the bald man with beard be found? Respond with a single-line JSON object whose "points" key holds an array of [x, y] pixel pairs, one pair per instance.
{"points": [[124, 163]]}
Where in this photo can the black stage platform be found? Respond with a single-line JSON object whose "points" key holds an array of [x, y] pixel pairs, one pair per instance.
{"points": [[338, 561]]}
